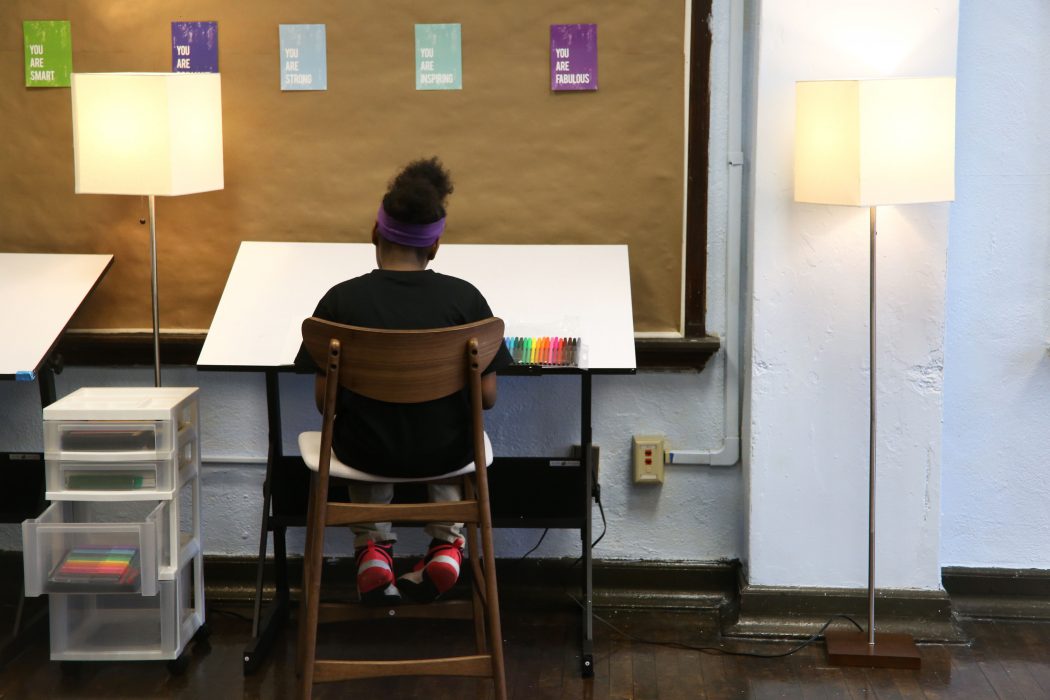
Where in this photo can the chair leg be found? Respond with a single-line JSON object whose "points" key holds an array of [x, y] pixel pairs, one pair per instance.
{"points": [[479, 611], [313, 597], [478, 588], [300, 647], [492, 603], [470, 493], [478, 584], [478, 607]]}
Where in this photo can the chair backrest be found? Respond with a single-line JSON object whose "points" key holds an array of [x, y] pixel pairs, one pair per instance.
{"points": [[403, 366]]}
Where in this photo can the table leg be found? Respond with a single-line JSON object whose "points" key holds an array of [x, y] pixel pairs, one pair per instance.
{"points": [[587, 457], [265, 626], [24, 624]]}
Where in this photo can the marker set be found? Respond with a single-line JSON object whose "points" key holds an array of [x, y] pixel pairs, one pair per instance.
{"points": [[552, 352], [96, 566]]}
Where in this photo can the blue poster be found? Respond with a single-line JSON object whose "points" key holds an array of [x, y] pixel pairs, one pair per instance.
{"points": [[439, 64], [195, 47], [304, 60]]}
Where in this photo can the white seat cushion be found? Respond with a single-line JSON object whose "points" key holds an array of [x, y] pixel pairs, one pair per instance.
{"points": [[310, 449]]}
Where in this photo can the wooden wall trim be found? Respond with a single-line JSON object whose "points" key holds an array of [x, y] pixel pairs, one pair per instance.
{"points": [[696, 171], [92, 349]]}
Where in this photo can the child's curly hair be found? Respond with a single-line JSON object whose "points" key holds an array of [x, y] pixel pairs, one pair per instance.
{"points": [[417, 194]]}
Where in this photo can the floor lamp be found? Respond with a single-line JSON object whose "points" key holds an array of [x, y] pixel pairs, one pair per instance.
{"points": [[866, 143], [151, 134]]}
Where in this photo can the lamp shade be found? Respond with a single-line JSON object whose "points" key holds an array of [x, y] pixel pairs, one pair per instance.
{"points": [[871, 142], [147, 133]]}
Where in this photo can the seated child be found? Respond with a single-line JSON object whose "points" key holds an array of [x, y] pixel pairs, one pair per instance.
{"points": [[406, 440]]}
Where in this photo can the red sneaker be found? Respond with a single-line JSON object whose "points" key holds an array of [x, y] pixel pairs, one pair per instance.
{"points": [[375, 574], [435, 574]]}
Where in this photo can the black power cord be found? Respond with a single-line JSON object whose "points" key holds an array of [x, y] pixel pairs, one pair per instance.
{"points": [[605, 529], [229, 613], [679, 645], [605, 524], [535, 546]]}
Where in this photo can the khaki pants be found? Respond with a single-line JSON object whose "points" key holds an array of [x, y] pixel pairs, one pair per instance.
{"points": [[383, 493]]}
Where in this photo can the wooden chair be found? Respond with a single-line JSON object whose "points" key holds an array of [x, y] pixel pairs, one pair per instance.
{"points": [[401, 367]]}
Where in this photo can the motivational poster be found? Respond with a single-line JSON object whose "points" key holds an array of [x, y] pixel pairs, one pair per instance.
{"points": [[439, 64], [195, 47], [49, 53], [574, 57], [304, 61]]}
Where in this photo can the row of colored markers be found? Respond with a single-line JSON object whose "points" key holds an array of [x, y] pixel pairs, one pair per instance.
{"points": [[553, 352]]}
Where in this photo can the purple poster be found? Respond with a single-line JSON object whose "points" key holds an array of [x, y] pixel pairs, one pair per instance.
{"points": [[574, 57], [195, 47]]}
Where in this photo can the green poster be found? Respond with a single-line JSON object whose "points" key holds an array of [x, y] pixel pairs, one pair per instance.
{"points": [[438, 57], [49, 53]]}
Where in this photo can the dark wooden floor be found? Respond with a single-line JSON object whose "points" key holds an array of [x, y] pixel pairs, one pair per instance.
{"points": [[1008, 660]]}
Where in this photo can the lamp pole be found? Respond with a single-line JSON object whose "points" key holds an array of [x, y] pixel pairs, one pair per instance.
{"points": [[153, 279], [871, 432]]}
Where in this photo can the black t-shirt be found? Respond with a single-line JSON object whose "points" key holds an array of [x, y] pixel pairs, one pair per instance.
{"points": [[403, 440]]}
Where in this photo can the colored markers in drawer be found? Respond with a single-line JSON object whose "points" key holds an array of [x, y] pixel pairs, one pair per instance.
{"points": [[97, 565], [547, 351]]}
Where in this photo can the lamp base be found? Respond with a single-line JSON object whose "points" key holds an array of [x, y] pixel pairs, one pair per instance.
{"points": [[848, 648]]}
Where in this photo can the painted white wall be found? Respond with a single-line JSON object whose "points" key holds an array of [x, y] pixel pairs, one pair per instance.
{"points": [[808, 417], [696, 515], [997, 370]]}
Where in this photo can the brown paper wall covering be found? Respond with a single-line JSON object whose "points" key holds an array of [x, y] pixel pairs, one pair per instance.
{"points": [[529, 166]]}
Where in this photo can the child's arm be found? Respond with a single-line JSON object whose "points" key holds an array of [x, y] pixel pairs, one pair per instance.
{"points": [[319, 392], [488, 390]]}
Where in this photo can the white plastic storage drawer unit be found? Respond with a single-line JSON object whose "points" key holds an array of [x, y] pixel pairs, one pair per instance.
{"points": [[119, 551], [94, 548]]}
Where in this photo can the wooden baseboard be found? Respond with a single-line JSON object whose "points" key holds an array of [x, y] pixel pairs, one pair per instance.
{"points": [[775, 612], [712, 588], [543, 582], [1012, 594]]}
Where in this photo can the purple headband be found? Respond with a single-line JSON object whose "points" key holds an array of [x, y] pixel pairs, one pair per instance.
{"points": [[413, 235]]}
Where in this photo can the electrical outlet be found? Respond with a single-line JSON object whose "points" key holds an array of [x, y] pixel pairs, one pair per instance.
{"points": [[648, 459]]}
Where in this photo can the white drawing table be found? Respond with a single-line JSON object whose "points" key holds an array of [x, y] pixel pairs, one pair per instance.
{"points": [[538, 290], [39, 293]]}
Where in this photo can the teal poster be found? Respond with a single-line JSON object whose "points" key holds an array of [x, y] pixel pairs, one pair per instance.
{"points": [[49, 53], [304, 62], [439, 63]]}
